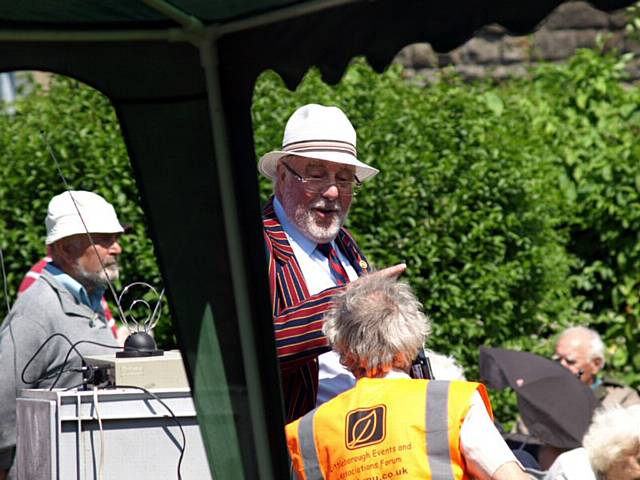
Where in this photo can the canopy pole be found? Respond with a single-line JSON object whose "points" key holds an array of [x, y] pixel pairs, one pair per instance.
{"points": [[169, 35], [209, 60], [188, 21]]}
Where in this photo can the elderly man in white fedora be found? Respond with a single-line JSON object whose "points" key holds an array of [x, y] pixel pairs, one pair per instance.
{"points": [[83, 233], [311, 256]]}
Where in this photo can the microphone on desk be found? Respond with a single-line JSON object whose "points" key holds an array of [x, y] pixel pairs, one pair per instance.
{"points": [[139, 342]]}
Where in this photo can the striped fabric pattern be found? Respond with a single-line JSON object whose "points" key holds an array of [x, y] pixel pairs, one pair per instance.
{"points": [[297, 315], [301, 147], [34, 273]]}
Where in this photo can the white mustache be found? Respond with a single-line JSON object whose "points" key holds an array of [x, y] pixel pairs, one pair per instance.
{"points": [[326, 205]]}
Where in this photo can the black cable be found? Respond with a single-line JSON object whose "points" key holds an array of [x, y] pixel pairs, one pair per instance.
{"points": [[175, 419], [33, 357], [53, 374], [73, 347], [64, 363]]}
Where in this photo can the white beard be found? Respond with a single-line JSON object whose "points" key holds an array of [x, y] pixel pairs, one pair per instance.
{"points": [[98, 279], [303, 218]]}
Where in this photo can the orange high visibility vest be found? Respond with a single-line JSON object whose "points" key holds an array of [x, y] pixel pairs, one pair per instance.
{"points": [[385, 429]]}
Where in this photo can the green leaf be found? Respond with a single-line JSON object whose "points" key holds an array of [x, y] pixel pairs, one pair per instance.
{"points": [[494, 102]]}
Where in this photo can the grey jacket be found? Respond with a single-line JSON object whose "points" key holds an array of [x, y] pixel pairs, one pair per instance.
{"points": [[611, 392], [44, 309]]}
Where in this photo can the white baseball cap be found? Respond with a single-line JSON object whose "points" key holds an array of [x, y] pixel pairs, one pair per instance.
{"points": [[320, 132], [78, 211]]}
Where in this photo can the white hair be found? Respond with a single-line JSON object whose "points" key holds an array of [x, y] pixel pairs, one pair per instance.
{"points": [[613, 432], [373, 322], [596, 346]]}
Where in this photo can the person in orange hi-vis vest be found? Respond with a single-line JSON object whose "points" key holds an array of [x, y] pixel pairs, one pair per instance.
{"points": [[390, 426]]}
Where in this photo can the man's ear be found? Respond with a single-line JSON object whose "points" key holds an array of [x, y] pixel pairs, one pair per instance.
{"points": [[63, 251], [281, 173]]}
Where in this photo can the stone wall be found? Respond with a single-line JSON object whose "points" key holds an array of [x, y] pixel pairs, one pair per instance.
{"points": [[494, 53]]}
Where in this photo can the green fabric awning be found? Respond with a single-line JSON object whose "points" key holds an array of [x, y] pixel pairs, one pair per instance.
{"points": [[124, 14]]}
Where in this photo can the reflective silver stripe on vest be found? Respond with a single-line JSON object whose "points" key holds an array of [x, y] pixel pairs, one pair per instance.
{"points": [[437, 425], [308, 447]]}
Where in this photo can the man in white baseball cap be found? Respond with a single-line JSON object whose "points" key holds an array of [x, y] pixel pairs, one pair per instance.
{"points": [[82, 239], [311, 256]]}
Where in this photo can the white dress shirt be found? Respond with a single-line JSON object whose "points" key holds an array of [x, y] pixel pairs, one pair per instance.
{"points": [[571, 465]]}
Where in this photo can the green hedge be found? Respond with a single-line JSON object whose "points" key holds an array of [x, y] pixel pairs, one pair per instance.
{"points": [[593, 134], [515, 205]]}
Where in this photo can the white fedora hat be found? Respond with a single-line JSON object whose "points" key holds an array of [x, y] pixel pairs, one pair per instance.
{"points": [[320, 132]]}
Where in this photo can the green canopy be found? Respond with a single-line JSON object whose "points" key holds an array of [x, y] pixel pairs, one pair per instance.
{"points": [[180, 75], [100, 14]]}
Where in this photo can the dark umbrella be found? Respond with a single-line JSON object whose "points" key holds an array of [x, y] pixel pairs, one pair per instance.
{"points": [[555, 406]]}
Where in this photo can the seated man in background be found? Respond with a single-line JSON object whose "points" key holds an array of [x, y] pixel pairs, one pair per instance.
{"points": [[82, 238], [581, 350], [390, 425]]}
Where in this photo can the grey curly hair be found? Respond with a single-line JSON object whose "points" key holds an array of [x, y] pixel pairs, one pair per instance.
{"points": [[375, 322], [614, 432]]}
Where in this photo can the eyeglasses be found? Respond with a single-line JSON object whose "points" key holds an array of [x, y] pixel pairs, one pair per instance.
{"points": [[346, 188]]}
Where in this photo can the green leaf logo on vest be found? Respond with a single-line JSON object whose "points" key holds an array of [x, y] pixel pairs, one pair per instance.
{"points": [[365, 426]]}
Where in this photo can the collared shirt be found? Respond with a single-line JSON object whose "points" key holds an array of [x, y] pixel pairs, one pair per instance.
{"points": [[571, 465], [314, 264], [333, 378], [93, 301]]}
